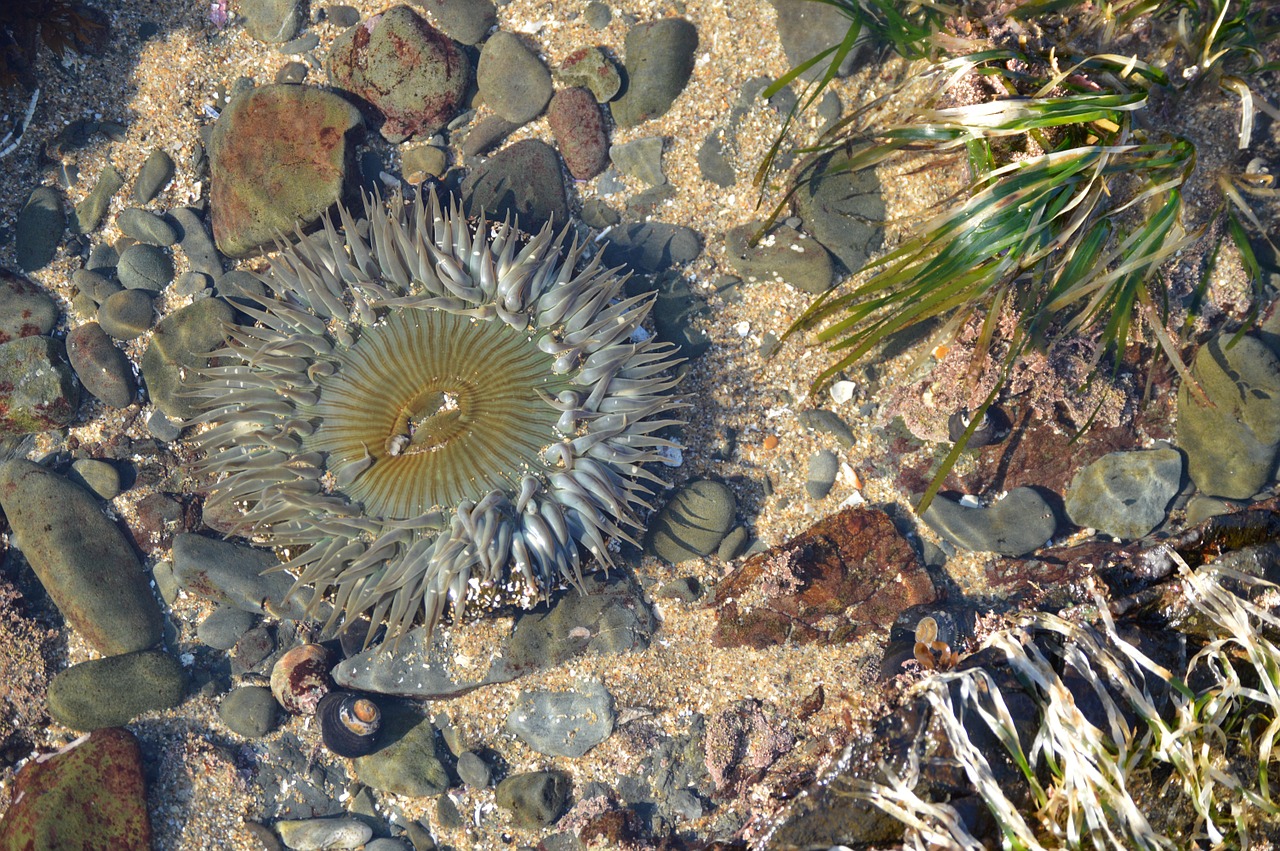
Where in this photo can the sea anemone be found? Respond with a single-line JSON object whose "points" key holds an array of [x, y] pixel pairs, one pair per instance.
{"points": [[431, 414]]}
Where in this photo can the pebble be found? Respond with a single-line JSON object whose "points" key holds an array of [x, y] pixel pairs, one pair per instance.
{"points": [[192, 284], [146, 227], [155, 174], [1200, 508], [269, 139], [487, 135], [823, 466], [90, 795], [827, 422], [590, 67], [100, 477], [324, 834], [1231, 447], [807, 29], [714, 158], [686, 589], [341, 15], [659, 60], [640, 159], [598, 15], [249, 711], [103, 369], [423, 162], [254, 647], [415, 75], [512, 80], [1125, 494], [606, 618], [196, 243], [535, 799], [474, 770], [95, 285], [145, 267], [408, 764], [563, 723], [734, 544], [39, 229], [232, 574], [241, 286], [224, 626], [842, 209], [693, 522], [1020, 523], [652, 246], [113, 691], [166, 584], [298, 46], [128, 314], [523, 180], [89, 213], [26, 310], [464, 21], [578, 126], [178, 347], [271, 21], [38, 390], [782, 255]]}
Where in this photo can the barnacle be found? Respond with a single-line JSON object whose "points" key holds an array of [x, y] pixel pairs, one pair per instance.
{"points": [[427, 414]]}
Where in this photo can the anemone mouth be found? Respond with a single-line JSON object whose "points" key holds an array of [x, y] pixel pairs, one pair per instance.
{"points": [[427, 415]]}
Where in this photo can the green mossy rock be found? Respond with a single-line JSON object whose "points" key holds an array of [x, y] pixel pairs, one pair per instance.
{"points": [[113, 691], [38, 391], [405, 762]]}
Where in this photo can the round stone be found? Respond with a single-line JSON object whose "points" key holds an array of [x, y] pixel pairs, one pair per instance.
{"points": [[145, 267], [693, 523], [127, 315]]}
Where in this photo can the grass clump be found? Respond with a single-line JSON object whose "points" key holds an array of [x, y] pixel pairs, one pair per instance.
{"points": [[1085, 129]]}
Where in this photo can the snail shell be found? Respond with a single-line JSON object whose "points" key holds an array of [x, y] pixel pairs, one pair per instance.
{"points": [[993, 428], [349, 723], [300, 678]]}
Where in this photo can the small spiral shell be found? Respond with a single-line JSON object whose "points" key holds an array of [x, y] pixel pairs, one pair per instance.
{"points": [[349, 723]]}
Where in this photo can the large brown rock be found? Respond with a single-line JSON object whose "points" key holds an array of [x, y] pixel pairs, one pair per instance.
{"points": [[279, 156], [848, 573]]}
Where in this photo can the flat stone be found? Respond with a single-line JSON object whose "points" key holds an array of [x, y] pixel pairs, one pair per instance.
{"points": [[98, 477], [81, 558], [782, 255], [249, 711], [406, 762], [26, 310], [95, 285], [145, 267], [464, 21], [1231, 445], [278, 158], [180, 346], [39, 229], [1125, 494], [482, 138], [659, 60], [412, 73], [113, 691], [578, 126], [715, 158], [128, 314], [823, 466], [196, 243], [535, 799], [154, 176], [89, 795], [806, 29], [512, 79], [693, 522], [850, 573], [90, 212], [563, 723], [640, 159], [521, 180], [1020, 523], [224, 626], [652, 246], [272, 21], [474, 770], [233, 574], [38, 390], [324, 834], [842, 209], [103, 369], [146, 227]]}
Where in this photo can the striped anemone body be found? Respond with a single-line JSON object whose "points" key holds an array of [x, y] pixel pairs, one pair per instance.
{"points": [[429, 415]]}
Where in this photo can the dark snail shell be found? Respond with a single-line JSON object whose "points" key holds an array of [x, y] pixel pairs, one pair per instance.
{"points": [[993, 428], [349, 723]]}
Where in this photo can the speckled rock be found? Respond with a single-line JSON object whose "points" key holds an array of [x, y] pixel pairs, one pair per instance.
{"points": [[411, 72], [464, 21], [155, 174], [324, 834], [512, 79], [535, 799], [1125, 494], [101, 367], [180, 345], [38, 390], [522, 180], [563, 723], [659, 60], [81, 558], [1020, 523], [474, 770], [693, 522], [783, 255], [39, 229], [406, 762], [578, 125], [590, 67], [278, 156], [271, 21], [249, 711], [1231, 445], [26, 310], [113, 691], [128, 314], [92, 795]]}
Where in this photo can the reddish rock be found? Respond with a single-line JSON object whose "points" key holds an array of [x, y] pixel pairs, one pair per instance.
{"points": [[742, 741], [412, 73], [850, 572], [89, 795], [578, 126], [278, 157]]}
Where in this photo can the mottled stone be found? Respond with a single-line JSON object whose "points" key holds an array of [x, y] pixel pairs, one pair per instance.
{"points": [[272, 21], [578, 125], [659, 60], [843, 209], [38, 390], [101, 367], [1125, 494], [406, 762], [113, 691], [179, 346], [146, 227], [233, 574], [782, 255], [568, 723], [849, 573], [128, 314], [155, 174], [1018, 524], [535, 799], [26, 310], [693, 522], [522, 180], [39, 229], [145, 267], [89, 212], [590, 67], [464, 21]]}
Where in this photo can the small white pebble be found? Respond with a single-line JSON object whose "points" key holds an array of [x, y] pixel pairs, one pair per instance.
{"points": [[842, 391], [187, 660], [743, 328], [672, 456], [970, 501]]}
